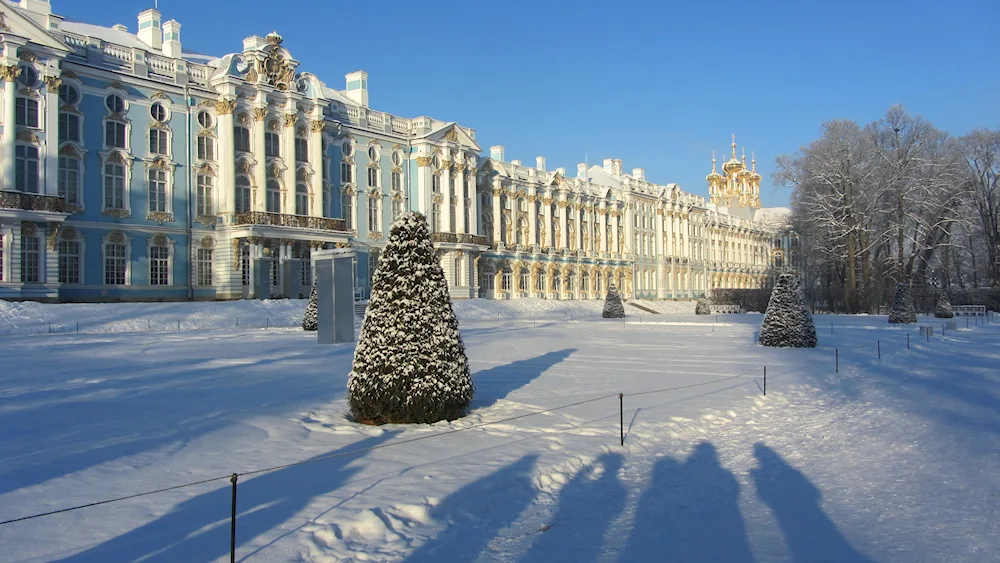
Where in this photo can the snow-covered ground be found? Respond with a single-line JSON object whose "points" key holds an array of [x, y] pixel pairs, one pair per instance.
{"points": [[895, 459]]}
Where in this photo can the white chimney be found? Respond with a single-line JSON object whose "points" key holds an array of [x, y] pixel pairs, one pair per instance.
{"points": [[617, 166], [357, 87], [561, 171], [516, 162], [496, 152], [609, 166], [540, 163], [639, 174], [42, 7], [172, 39], [581, 170], [150, 31]]}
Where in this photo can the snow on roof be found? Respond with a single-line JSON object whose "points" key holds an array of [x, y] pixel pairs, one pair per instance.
{"points": [[103, 33], [598, 176]]}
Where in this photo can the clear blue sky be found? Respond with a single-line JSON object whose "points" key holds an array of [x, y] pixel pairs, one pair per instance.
{"points": [[657, 84]]}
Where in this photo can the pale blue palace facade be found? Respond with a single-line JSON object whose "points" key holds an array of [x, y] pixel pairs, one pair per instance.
{"points": [[134, 170]]}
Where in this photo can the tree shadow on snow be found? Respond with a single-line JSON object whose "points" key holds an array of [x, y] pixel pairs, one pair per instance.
{"points": [[198, 529], [795, 503], [477, 512], [498, 382], [587, 506], [690, 512]]}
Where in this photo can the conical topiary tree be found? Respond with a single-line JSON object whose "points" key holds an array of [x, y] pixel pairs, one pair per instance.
{"points": [[613, 306], [310, 321], [902, 310], [703, 307], [943, 308], [788, 321], [409, 364]]}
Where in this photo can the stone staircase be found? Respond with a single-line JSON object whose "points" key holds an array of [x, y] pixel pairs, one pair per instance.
{"points": [[360, 307], [642, 307]]}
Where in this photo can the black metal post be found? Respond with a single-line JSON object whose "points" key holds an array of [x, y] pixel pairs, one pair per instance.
{"points": [[831, 328], [836, 355], [621, 415], [78, 327], [765, 381], [232, 529], [267, 322], [878, 344], [907, 340], [178, 326]]}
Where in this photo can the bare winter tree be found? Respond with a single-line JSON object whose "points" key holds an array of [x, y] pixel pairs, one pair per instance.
{"points": [[980, 150]]}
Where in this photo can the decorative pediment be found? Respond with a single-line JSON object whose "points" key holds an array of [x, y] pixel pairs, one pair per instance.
{"points": [[272, 65], [17, 24], [159, 95]]}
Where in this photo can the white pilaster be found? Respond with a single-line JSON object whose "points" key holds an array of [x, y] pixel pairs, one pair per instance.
{"points": [[227, 156], [497, 218], [258, 201], [50, 168], [460, 198], [548, 223], [316, 156], [446, 192], [288, 153], [9, 127]]}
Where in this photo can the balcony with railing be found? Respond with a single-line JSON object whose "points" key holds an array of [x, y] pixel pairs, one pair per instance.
{"points": [[264, 218], [459, 238], [33, 202]]}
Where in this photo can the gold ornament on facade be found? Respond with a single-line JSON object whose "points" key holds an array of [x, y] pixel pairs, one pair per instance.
{"points": [[116, 237], [28, 137], [3, 22], [290, 119], [225, 106], [424, 160], [254, 240], [452, 134], [259, 114], [317, 125], [52, 83]]}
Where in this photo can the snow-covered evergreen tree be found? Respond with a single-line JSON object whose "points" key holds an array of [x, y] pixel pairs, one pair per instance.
{"points": [[788, 321], [310, 321], [703, 307], [613, 306], [902, 310], [410, 363], [943, 308]]}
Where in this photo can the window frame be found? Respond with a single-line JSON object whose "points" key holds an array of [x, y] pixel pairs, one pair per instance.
{"points": [[35, 264], [160, 267], [70, 263], [25, 175], [203, 267], [27, 113]]}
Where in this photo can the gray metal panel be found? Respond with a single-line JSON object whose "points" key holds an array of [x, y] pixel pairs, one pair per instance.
{"points": [[343, 281], [324, 302], [262, 278]]}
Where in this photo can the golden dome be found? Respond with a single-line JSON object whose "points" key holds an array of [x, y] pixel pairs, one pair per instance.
{"points": [[753, 171], [732, 165], [713, 177]]}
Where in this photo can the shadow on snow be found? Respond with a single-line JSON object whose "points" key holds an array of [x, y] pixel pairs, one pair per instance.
{"points": [[496, 383]]}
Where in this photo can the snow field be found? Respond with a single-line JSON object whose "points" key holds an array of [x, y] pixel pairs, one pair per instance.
{"points": [[891, 460]]}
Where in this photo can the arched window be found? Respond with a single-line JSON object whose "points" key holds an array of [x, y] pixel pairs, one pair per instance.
{"points": [[242, 194], [273, 201], [506, 279], [301, 199]]}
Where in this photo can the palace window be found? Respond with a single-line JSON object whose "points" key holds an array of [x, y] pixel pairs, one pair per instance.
{"points": [[114, 264], [468, 214], [486, 280], [242, 194], [347, 201], [436, 217], [540, 281], [241, 139], [373, 213], [506, 279], [397, 208], [115, 103], [436, 183], [69, 127], [206, 194], [452, 205], [26, 169], [373, 177], [458, 272], [301, 199], [26, 113], [159, 265], [206, 148], [205, 119], [157, 191], [204, 267], [114, 135], [273, 196], [272, 144], [29, 259], [158, 112], [69, 95], [114, 186], [69, 261], [524, 283], [346, 172], [302, 150], [348, 149], [373, 155]]}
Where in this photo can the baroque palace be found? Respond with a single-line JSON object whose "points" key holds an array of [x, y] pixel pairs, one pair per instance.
{"points": [[135, 170]]}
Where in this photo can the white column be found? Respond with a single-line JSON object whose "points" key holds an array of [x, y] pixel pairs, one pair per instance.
{"points": [[470, 181], [602, 228], [563, 235], [50, 170], [661, 281], [316, 156], [9, 129], [579, 230], [260, 170], [446, 192], [497, 218], [532, 219], [630, 231], [288, 153], [459, 198], [547, 204], [614, 234], [227, 158]]}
